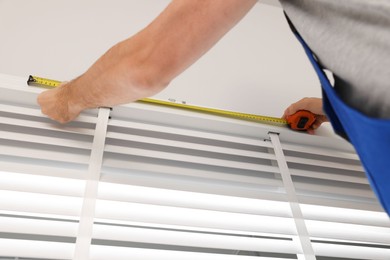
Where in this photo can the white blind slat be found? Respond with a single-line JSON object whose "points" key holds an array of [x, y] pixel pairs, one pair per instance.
{"points": [[34, 226], [193, 239], [189, 158], [34, 249], [327, 164], [329, 176], [37, 113], [351, 251], [44, 125], [349, 232], [39, 203], [41, 184], [64, 172], [188, 145], [41, 154], [195, 200], [190, 217], [190, 133], [344, 215], [121, 253], [45, 140], [334, 190], [136, 168], [304, 149]]}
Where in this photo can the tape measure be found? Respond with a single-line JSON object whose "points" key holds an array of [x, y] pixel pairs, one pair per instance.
{"points": [[42, 82], [302, 120]]}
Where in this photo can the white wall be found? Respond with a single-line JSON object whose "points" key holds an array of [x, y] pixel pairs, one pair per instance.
{"points": [[257, 68]]}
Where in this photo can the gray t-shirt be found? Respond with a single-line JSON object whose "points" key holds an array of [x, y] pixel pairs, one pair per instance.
{"points": [[351, 38]]}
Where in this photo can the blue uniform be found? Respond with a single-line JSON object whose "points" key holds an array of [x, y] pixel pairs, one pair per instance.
{"points": [[370, 136]]}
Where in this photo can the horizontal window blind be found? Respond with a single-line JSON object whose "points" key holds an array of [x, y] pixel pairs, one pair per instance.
{"points": [[174, 184], [42, 177]]}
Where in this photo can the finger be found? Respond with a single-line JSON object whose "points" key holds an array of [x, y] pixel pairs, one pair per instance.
{"points": [[310, 131], [316, 124], [289, 111], [302, 104]]}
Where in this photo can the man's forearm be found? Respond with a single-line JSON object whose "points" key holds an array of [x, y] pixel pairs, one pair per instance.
{"points": [[188, 29], [144, 64]]}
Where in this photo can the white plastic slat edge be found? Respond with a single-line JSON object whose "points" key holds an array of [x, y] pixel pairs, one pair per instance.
{"points": [[349, 251], [33, 249], [325, 188], [167, 215], [344, 215], [348, 232], [319, 151], [41, 184], [193, 239], [28, 138], [20, 167], [190, 133], [122, 253], [146, 235], [196, 200], [189, 145], [330, 176], [191, 228], [340, 203], [39, 203], [17, 225], [27, 152], [45, 126], [37, 113], [189, 158], [197, 181], [327, 164], [138, 167]]}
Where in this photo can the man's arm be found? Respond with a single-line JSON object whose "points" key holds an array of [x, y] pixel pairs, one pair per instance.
{"points": [[144, 64]]}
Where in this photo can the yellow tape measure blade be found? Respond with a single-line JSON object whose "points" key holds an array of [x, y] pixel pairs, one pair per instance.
{"points": [[49, 83], [42, 82], [218, 112]]}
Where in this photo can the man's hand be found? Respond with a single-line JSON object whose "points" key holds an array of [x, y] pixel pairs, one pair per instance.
{"points": [[313, 105], [55, 103]]}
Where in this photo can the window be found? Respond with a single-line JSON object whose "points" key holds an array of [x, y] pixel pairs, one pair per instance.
{"points": [[159, 183]]}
